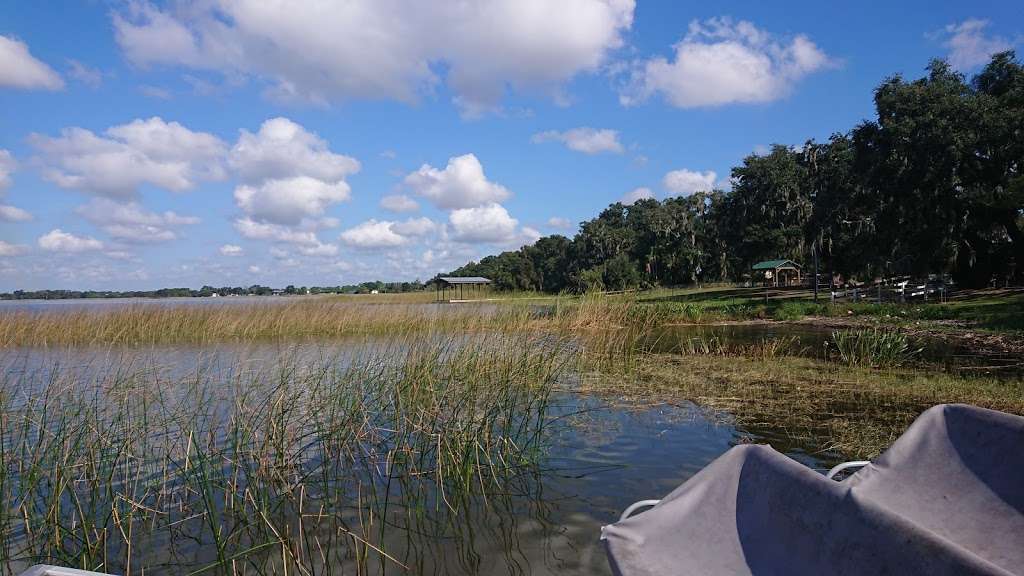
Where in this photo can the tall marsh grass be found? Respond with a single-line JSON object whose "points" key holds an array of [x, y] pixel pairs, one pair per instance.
{"points": [[379, 461], [199, 324], [146, 324]]}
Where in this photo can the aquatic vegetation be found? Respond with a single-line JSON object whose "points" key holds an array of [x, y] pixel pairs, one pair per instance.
{"points": [[697, 312], [297, 465], [416, 440], [872, 347], [303, 318], [704, 346], [322, 317], [777, 347], [832, 411]]}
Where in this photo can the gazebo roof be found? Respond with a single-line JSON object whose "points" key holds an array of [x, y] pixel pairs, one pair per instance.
{"points": [[464, 280], [774, 265]]}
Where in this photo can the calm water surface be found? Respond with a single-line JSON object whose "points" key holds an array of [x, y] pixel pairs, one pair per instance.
{"points": [[602, 455], [114, 303]]}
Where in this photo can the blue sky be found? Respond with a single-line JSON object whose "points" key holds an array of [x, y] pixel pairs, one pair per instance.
{"points": [[235, 142]]}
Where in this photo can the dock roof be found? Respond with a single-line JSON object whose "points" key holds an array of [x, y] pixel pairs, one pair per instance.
{"points": [[774, 264], [465, 280]]}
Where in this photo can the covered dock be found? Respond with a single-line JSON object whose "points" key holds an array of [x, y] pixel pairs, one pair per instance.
{"points": [[458, 286]]}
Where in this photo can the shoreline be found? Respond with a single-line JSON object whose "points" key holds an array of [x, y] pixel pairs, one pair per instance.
{"points": [[959, 332]]}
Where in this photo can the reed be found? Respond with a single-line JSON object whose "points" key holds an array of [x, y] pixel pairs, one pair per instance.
{"points": [[310, 318], [201, 324], [389, 439], [297, 464]]}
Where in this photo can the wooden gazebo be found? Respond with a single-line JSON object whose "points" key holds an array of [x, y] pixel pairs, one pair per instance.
{"points": [[458, 285], [778, 272]]}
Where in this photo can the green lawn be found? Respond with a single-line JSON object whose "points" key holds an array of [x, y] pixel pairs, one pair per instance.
{"points": [[996, 310], [1002, 311]]}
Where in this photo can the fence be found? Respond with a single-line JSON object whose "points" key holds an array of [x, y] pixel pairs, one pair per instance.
{"points": [[893, 292]]}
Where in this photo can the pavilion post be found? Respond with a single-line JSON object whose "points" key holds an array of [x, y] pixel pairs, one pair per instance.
{"points": [[814, 251]]}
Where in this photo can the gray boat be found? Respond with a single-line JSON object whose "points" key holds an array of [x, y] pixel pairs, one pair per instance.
{"points": [[946, 498]]}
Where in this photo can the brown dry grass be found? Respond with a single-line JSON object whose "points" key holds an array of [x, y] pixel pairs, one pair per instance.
{"points": [[315, 317]]}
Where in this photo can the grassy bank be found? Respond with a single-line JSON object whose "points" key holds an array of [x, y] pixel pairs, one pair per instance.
{"points": [[994, 310], [841, 411]]}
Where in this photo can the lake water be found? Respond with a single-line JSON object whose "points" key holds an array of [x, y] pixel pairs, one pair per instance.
{"points": [[112, 303], [600, 455], [593, 455], [804, 339]]}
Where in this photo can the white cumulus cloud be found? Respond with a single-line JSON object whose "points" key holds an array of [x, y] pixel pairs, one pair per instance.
{"points": [[291, 179], [19, 69], [57, 240], [7, 166], [685, 182], [164, 154], [130, 222], [374, 234], [528, 236], [8, 249], [490, 223], [584, 139], [635, 194], [288, 201], [399, 203], [969, 46], [415, 227], [320, 249], [9, 213], [254, 230], [334, 51], [720, 61], [283, 149], [462, 184], [303, 237], [559, 222], [231, 250]]}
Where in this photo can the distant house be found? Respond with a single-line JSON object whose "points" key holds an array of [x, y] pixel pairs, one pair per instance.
{"points": [[777, 272]]}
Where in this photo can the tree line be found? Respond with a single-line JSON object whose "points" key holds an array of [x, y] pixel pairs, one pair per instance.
{"points": [[208, 291], [932, 185]]}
